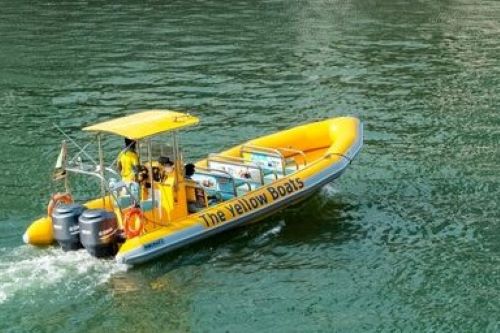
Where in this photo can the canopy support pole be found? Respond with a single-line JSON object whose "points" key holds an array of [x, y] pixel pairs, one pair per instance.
{"points": [[150, 161], [101, 169], [178, 165]]}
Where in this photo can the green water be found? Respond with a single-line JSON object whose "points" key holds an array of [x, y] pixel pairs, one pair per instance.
{"points": [[407, 240]]}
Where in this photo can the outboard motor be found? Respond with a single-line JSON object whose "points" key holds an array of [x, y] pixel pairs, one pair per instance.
{"points": [[65, 226], [98, 232]]}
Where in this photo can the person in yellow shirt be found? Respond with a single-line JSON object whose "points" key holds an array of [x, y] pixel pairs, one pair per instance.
{"points": [[128, 162], [166, 168]]}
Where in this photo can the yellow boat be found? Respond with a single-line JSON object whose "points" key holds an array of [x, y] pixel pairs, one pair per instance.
{"points": [[162, 212]]}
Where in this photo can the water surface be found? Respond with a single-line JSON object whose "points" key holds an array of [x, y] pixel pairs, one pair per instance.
{"points": [[406, 240]]}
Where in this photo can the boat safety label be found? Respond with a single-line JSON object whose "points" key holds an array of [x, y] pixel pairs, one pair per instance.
{"points": [[239, 206]]}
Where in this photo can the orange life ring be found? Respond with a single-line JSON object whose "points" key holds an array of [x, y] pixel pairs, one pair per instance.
{"points": [[129, 222], [57, 199]]}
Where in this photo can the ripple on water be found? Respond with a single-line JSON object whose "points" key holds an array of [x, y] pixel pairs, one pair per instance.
{"points": [[406, 240]]}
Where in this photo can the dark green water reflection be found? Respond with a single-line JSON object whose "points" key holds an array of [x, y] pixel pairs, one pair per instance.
{"points": [[407, 240]]}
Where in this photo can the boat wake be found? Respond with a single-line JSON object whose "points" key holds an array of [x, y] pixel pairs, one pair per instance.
{"points": [[268, 235], [329, 191], [26, 269]]}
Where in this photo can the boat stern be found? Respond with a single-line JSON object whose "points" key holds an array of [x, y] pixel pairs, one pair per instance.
{"points": [[39, 233]]}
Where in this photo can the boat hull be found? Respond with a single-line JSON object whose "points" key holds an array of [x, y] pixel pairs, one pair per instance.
{"points": [[327, 148], [40, 232], [244, 210]]}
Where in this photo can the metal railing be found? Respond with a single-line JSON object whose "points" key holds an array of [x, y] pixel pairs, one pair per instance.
{"points": [[213, 173], [236, 161], [276, 152]]}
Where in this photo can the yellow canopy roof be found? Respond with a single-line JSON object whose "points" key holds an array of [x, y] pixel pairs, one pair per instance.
{"points": [[144, 124]]}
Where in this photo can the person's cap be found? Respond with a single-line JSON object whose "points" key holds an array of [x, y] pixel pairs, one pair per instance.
{"points": [[164, 160]]}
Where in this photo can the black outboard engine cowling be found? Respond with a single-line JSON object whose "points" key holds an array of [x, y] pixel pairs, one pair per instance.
{"points": [[65, 226], [98, 230]]}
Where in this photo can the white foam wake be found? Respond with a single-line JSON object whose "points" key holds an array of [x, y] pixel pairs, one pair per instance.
{"points": [[268, 234], [329, 190], [29, 268]]}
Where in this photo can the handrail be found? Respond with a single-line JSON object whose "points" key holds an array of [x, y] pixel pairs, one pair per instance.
{"points": [[89, 168], [112, 171], [274, 151], [233, 158], [216, 170], [329, 156], [247, 183], [232, 177], [268, 149], [277, 151], [235, 192], [118, 187], [296, 165], [100, 177], [85, 172], [296, 151], [251, 165], [338, 154], [242, 160]]}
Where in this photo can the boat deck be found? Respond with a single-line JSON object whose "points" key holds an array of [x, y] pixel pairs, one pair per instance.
{"points": [[228, 175]]}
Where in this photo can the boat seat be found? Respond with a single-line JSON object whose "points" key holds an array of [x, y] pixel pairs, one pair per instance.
{"points": [[249, 185], [196, 198], [271, 163], [194, 208], [271, 175], [147, 205], [124, 201], [271, 160], [124, 194], [241, 191], [240, 170], [216, 184], [290, 169], [270, 178]]}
